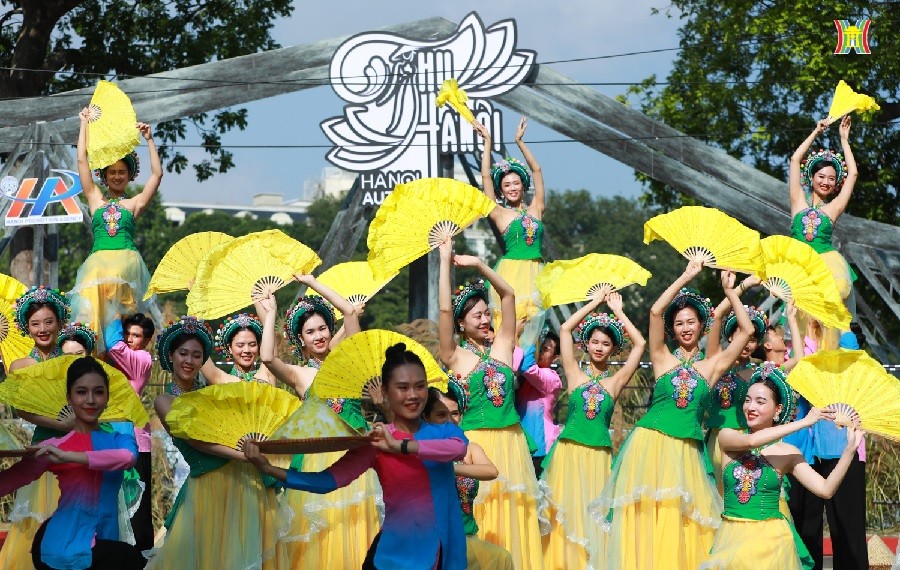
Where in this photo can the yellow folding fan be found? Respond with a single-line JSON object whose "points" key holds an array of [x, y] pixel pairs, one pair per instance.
{"points": [[595, 274], [354, 281], [846, 100], [854, 385], [41, 389], [358, 359], [247, 269], [793, 271], [418, 217], [111, 130], [13, 345], [178, 267], [11, 288], [709, 236], [451, 94], [230, 414]]}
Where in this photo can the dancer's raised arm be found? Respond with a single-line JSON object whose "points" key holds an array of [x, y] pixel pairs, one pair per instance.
{"points": [[536, 208], [795, 184], [836, 207], [143, 198]]}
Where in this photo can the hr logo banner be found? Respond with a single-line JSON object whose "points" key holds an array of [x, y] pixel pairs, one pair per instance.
{"points": [[852, 35], [29, 211]]}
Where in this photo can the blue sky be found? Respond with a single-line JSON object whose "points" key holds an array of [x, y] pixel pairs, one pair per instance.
{"points": [[555, 30]]}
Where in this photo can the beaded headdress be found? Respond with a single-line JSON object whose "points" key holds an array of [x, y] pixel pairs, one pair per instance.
{"points": [[78, 332], [836, 160], [757, 317], [689, 298], [303, 306], [231, 326], [769, 371], [183, 326], [53, 297], [456, 387], [500, 169], [465, 292], [132, 162], [607, 323]]}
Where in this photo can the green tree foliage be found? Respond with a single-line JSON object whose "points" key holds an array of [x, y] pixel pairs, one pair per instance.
{"points": [[753, 76], [49, 46]]}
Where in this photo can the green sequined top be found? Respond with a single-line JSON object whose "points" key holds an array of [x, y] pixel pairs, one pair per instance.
{"points": [[679, 401], [813, 227], [467, 489], [491, 396], [590, 412], [113, 227], [524, 237], [752, 488], [726, 403]]}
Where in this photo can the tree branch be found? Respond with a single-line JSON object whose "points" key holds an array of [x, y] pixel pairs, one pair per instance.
{"points": [[889, 111]]}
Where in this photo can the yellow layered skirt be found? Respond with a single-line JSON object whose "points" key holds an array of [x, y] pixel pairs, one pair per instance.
{"points": [[482, 555], [34, 504], [753, 545], [507, 509], [659, 508], [576, 476], [110, 284], [521, 275], [228, 519], [333, 530]]}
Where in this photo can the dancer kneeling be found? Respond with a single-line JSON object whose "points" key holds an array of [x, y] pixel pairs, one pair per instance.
{"points": [[88, 462], [414, 461], [754, 534], [660, 507]]}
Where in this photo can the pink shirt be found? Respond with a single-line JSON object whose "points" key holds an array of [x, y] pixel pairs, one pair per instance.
{"points": [[135, 365]]}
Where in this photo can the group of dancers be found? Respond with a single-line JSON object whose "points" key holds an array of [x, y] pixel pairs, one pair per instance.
{"points": [[478, 476]]}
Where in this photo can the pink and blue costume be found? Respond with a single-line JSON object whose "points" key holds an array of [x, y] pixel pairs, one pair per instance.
{"points": [[422, 517], [88, 506]]}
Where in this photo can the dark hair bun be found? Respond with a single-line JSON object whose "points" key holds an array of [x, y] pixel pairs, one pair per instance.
{"points": [[395, 351], [396, 356]]}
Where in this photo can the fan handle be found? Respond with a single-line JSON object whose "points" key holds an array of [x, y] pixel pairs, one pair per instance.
{"points": [[441, 232], [94, 113], [358, 299], [65, 413], [4, 327], [265, 287], [701, 255], [844, 415], [600, 290], [779, 287], [252, 436]]}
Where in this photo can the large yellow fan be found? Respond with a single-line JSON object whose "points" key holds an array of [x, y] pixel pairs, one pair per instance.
{"points": [[354, 281], [846, 100], [419, 216], [41, 389], [594, 275], [111, 131], [11, 288], [358, 360], [793, 271], [230, 414], [854, 385], [451, 94], [709, 236], [178, 267], [13, 345], [246, 269]]}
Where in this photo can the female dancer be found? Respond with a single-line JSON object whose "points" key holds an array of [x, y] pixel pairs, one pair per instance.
{"points": [[815, 179], [506, 509], [724, 409], [112, 280], [584, 444], [521, 226], [238, 339], [76, 338], [224, 516], [414, 462], [40, 314], [83, 530], [337, 528], [754, 533], [660, 507], [449, 407]]}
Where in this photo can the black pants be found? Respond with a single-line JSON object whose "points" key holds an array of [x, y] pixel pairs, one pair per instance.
{"points": [[538, 469], [846, 513], [105, 555], [142, 521]]}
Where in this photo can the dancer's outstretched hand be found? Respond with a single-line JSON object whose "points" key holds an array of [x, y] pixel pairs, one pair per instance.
{"points": [[255, 456], [465, 261], [523, 126], [693, 268], [844, 129], [728, 279], [482, 131], [614, 301]]}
